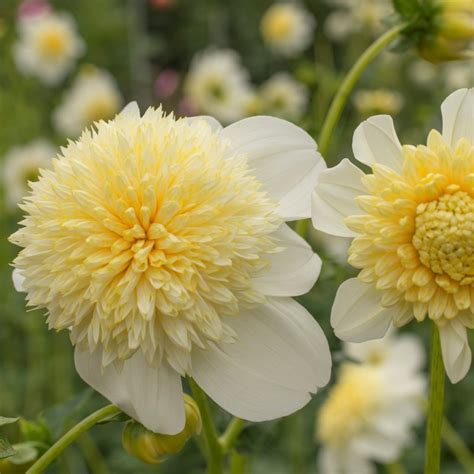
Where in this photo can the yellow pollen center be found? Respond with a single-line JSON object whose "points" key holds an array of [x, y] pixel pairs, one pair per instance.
{"points": [[415, 233], [351, 402], [444, 236], [52, 43], [277, 25]]}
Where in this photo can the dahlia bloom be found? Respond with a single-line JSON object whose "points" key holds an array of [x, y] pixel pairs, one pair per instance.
{"points": [[218, 84], [161, 245], [21, 165], [287, 28], [371, 410], [48, 46], [412, 224], [94, 95]]}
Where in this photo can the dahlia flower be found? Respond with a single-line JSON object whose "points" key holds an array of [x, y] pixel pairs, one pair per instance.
{"points": [[161, 245], [412, 224]]}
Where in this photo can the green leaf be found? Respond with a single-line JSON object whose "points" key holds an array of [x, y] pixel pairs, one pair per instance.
{"points": [[24, 453], [7, 421], [6, 449], [407, 8]]}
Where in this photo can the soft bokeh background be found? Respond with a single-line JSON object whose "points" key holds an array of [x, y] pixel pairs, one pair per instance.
{"points": [[147, 47]]}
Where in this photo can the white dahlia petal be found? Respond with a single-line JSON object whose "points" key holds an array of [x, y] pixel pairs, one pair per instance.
{"points": [[293, 271], [458, 116], [211, 121], [375, 141], [279, 357], [455, 349], [357, 314], [334, 198], [18, 280], [283, 157], [151, 396]]}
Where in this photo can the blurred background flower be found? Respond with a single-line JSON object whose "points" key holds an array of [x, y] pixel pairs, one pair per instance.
{"points": [[21, 165], [93, 96], [48, 45]]}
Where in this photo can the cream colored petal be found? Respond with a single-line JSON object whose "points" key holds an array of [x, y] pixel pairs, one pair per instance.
{"points": [[456, 351], [334, 198], [293, 271], [280, 356], [458, 116], [375, 141], [151, 396], [283, 157], [357, 314]]}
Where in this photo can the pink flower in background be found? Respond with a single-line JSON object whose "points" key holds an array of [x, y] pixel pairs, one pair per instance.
{"points": [[166, 83], [29, 8], [187, 108]]}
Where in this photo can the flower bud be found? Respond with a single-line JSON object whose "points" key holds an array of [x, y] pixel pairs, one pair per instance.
{"points": [[153, 448], [452, 32]]}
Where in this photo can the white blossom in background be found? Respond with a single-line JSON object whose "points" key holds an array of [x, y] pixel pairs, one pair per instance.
{"points": [[21, 165], [373, 407], [411, 221], [94, 95], [423, 73], [217, 84], [283, 96], [180, 263], [355, 16], [378, 101], [48, 46], [457, 74], [287, 28]]}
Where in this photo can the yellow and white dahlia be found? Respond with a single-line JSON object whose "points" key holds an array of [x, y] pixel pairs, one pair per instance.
{"points": [[412, 224], [161, 245], [370, 412], [287, 28], [218, 84], [48, 46], [21, 165], [93, 96]]}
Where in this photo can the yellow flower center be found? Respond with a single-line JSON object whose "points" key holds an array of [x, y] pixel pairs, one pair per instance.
{"points": [[416, 240], [444, 237], [144, 236], [277, 24], [52, 43], [349, 406]]}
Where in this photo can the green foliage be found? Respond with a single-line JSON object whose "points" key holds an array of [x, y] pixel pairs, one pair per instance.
{"points": [[6, 449]]}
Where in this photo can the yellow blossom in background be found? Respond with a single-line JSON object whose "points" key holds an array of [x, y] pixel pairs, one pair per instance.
{"points": [[453, 32], [22, 165], [160, 244], [373, 406], [412, 224], [93, 96], [378, 101], [48, 46], [287, 28]]}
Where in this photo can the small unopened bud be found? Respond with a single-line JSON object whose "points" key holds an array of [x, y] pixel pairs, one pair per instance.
{"points": [[452, 32], [153, 448]]}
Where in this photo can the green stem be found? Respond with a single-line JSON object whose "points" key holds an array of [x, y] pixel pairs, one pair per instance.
{"points": [[231, 434], [457, 445], [238, 463], [57, 448], [435, 406], [350, 81], [394, 468], [215, 455], [301, 227]]}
